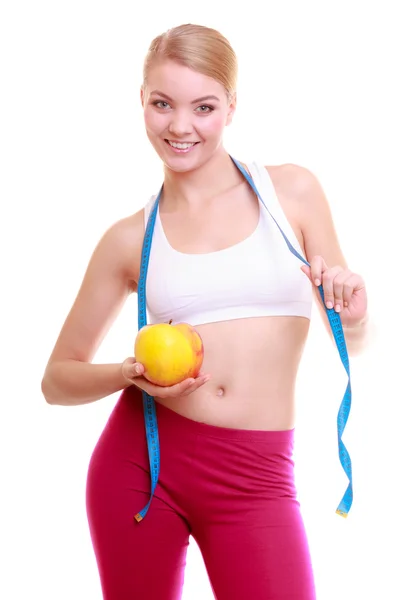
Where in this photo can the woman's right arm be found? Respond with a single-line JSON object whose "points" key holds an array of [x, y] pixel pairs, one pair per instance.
{"points": [[70, 377]]}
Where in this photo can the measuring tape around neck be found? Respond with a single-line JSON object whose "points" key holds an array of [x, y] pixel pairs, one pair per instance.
{"points": [[149, 405]]}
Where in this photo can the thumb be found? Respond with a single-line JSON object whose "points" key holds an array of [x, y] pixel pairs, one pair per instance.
{"points": [[131, 368], [307, 271]]}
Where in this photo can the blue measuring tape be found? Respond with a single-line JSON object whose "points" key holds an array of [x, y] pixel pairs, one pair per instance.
{"points": [[149, 405]]}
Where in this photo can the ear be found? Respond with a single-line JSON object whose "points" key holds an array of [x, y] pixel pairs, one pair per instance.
{"points": [[142, 96], [231, 108]]}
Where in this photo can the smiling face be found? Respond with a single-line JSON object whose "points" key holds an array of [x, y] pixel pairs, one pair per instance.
{"points": [[185, 114]]}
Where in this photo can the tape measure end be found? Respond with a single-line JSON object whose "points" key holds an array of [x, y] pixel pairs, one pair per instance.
{"points": [[342, 514], [138, 518]]}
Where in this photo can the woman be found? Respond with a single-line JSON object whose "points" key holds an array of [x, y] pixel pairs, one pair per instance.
{"points": [[218, 261]]}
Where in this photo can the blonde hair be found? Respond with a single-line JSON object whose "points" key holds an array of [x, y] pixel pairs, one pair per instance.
{"points": [[199, 48]]}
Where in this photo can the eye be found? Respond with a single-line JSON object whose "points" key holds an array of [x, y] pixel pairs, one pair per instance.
{"points": [[204, 108], [161, 104]]}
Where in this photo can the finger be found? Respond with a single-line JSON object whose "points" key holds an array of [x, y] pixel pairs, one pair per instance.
{"points": [[339, 283], [318, 268], [352, 283], [201, 380], [137, 369], [187, 386], [344, 285], [307, 271], [328, 286], [337, 295], [131, 369], [161, 391]]}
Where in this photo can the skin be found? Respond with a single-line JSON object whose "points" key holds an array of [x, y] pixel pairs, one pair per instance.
{"points": [[250, 365]]}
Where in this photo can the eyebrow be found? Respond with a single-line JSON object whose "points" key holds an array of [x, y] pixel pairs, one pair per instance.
{"points": [[202, 99]]}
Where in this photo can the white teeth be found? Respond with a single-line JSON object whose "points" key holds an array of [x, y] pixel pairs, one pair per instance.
{"points": [[181, 146]]}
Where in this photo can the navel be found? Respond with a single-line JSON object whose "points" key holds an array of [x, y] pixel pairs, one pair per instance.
{"points": [[220, 391]]}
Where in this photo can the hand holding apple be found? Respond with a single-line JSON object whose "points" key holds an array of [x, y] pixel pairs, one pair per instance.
{"points": [[167, 362], [169, 352]]}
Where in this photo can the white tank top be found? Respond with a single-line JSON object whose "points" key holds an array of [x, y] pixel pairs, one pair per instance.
{"points": [[258, 277]]}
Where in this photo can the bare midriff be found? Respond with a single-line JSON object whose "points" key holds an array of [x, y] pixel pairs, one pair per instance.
{"points": [[253, 364]]}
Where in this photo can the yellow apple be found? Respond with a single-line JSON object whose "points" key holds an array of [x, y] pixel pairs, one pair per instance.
{"points": [[169, 352]]}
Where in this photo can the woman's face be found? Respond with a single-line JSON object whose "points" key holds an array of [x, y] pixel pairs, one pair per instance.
{"points": [[185, 114]]}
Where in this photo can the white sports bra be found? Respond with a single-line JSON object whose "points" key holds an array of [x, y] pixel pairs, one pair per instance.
{"points": [[258, 277]]}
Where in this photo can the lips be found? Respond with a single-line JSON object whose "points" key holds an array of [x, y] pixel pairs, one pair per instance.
{"points": [[181, 147]]}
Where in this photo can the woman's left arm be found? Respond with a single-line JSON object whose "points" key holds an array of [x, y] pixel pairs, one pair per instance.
{"points": [[344, 290]]}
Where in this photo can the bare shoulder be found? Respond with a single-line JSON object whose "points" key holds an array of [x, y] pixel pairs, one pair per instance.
{"points": [[300, 193], [303, 197], [291, 183], [111, 275], [295, 183], [123, 242]]}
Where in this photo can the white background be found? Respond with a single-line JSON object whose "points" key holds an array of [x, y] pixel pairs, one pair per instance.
{"points": [[318, 87]]}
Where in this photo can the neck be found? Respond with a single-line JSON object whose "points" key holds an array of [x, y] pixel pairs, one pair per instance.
{"points": [[192, 188]]}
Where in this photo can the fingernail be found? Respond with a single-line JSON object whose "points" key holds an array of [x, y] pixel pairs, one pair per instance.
{"points": [[337, 308], [137, 369], [329, 304], [317, 282]]}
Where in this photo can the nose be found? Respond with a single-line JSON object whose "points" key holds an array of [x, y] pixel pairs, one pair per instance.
{"points": [[180, 124]]}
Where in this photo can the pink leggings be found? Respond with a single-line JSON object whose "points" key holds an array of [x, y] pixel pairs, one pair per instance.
{"points": [[232, 490]]}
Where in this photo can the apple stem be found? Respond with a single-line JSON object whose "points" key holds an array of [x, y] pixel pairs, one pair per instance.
{"points": [[170, 322]]}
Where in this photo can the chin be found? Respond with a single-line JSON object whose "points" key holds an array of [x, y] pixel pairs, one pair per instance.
{"points": [[180, 167], [186, 163]]}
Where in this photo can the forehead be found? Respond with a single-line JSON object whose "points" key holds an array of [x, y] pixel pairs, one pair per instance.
{"points": [[180, 82]]}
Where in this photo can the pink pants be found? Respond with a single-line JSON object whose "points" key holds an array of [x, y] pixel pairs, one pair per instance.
{"points": [[232, 490]]}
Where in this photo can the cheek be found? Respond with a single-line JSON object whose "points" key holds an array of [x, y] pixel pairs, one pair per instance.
{"points": [[154, 122], [213, 125]]}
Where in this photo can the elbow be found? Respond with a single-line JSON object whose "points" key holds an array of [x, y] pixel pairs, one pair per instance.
{"points": [[47, 389]]}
